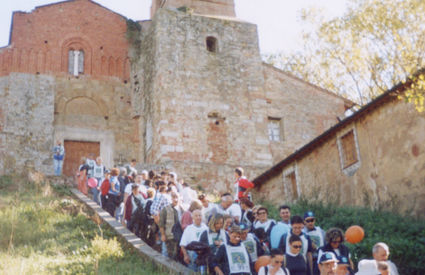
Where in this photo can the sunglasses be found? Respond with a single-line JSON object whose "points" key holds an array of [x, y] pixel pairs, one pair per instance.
{"points": [[336, 241], [309, 220], [278, 262], [297, 246]]}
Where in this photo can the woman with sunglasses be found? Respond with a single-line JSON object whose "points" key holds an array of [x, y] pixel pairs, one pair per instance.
{"points": [[294, 259], [334, 239], [275, 267]]}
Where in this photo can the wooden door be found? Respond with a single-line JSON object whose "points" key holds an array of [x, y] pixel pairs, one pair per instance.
{"points": [[74, 150]]}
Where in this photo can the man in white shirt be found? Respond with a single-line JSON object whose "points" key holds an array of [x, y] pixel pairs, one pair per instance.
{"points": [[192, 233], [187, 195], [380, 252]]}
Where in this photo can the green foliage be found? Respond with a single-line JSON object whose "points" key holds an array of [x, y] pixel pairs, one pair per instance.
{"points": [[404, 235], [44, 232], [416, 92], [373, 46]]}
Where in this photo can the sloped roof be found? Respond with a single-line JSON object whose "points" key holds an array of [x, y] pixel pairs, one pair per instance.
{"points": [[93, 2], [348, 103], [384, 98]]}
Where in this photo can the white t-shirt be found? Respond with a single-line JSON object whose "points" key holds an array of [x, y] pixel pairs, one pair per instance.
{"points": [[128, 187], [235, 211], [208, 211], [266, 225], [262, 271], [192, 233]]}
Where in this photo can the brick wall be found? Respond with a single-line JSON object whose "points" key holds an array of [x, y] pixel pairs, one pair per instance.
{"points": [[41, 39]]}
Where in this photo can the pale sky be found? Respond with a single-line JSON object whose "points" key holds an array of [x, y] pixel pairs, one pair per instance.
{"points": [[278, 21]]}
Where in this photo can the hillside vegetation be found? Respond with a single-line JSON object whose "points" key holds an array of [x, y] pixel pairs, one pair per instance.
{"points": [[404, 235], [43, 230]]}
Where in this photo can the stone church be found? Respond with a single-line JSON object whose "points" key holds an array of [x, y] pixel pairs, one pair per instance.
{"points": [[186, 90]]}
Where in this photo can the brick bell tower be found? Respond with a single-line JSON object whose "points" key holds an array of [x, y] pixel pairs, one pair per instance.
{"points": [[203, 7]]}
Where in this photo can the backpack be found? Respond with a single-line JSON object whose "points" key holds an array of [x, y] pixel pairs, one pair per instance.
{"points": [[177, 232], [104, 188]]}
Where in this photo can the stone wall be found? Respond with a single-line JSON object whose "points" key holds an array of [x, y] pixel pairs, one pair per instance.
{"points": [[199, 106], [206, 111], [26, 123], [87, 109], [389, 172], [206, 106], [205, 7], [305, 111]]}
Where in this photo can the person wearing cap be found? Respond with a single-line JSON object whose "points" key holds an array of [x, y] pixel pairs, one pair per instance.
{"points": [[343, 266], [334, 243], [328, 263], [316, 234], [232, 257], [251, 242]]}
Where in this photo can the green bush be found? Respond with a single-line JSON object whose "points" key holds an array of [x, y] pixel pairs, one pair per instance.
{"points": [[404, 235]]}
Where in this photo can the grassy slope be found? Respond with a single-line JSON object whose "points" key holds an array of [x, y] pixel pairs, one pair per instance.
{"points": [[43, 231]]}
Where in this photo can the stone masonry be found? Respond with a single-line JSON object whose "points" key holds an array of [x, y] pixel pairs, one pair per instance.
{"points": [[27, 127], [189, 92], [210, 109]]}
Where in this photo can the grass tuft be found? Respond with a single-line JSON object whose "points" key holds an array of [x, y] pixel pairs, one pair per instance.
{"points": [[45, 231]]}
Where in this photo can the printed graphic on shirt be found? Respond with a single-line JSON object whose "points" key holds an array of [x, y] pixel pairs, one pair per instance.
{"points": [[238, 259], [250, 246], [315, 239]]}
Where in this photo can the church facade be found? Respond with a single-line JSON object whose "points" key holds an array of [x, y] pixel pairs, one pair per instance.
{"points": [[186, 90]]}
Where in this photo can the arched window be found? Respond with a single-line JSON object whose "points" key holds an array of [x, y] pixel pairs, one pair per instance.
{"points": [[75, 62], [212, 44]]}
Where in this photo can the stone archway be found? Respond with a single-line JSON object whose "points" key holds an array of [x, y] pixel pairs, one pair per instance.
{"points": [[84, 112]]}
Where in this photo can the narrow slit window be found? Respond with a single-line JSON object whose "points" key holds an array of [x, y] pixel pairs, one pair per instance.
{"points": [[291, 181], [274, 129], [75, 62], [349, 151]]}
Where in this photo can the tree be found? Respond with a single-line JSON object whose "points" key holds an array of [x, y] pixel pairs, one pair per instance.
{"points": [[373, 46]]}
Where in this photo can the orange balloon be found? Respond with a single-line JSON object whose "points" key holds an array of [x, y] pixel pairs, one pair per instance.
{"points": [[262, 261], [354, 234]]}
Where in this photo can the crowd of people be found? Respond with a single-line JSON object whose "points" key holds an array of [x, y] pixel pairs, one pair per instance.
{"points": [[227, 237]]}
